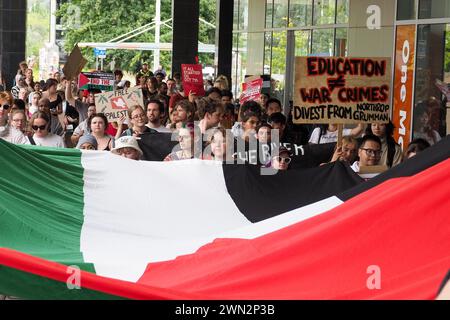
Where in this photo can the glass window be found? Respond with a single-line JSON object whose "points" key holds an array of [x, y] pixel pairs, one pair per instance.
{"points": [[322, 42], [340, 44], [302, 43], [242, 59], [429, 108], [300, 13], [324, 12], [280, 13], [267, 52], [269, 13], [406, 9], [235, 60], [243, 14], [279, 44], [434, 9], [342, 11], [236, 15]]}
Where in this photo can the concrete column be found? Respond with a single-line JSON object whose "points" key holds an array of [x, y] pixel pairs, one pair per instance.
{"points": [[224, 38], [185, 16], [12, 37]]}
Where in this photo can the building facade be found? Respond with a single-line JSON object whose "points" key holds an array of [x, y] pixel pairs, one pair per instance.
{"points": [[269, 34]]}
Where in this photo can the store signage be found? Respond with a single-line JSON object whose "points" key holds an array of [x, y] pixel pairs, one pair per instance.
{"points": [[403, 84]]}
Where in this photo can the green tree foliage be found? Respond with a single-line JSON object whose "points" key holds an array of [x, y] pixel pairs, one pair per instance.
{"points": [[103, 20], [38, 25]]}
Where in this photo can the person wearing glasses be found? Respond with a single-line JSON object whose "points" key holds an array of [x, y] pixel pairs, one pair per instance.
{"points": [[7, 132], [40, 125], [282, 161], [391, 152], [18, 120], [138, 120], [87, 142], [369, 152]]}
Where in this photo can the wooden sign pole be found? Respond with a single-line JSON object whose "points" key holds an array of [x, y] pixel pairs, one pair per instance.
{"points": [[340, 133]]}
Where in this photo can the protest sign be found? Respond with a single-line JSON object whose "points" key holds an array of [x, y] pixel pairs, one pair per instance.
{"points": [[192, 76], [342, 90], [115, 104], [96, 80], [75, 63], [251, 89]]}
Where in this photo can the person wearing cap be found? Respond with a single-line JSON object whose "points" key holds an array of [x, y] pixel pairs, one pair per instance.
{"points": [[282, 161], [145, 71], [128, 147], [87, 142]]}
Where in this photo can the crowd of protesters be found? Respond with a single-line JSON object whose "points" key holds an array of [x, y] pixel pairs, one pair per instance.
{"points": [[55, 113]]}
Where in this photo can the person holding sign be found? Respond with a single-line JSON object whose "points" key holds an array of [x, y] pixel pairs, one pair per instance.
{"points": [[138, 120], [347, 151]]}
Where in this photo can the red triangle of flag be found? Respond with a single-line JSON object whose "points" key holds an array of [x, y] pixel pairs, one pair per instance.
{"points": [[82, 81]]}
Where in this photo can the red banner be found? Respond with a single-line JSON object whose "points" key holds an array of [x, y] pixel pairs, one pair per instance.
{"points": [[403, 84], [192, 76]]}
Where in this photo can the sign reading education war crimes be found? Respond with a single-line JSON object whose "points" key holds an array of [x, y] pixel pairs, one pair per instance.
{"points": [[115, 104], [342, 90]]}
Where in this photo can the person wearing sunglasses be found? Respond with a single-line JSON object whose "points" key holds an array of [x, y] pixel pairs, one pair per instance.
{"points": [[282, 161], [369, 152], [8, 132], [39, 126]]}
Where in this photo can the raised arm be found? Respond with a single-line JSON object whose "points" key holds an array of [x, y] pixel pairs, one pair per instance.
{"points": [[69, 96]]}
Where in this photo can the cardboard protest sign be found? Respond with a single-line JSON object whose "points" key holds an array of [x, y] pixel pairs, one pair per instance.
{"points": [[251, 89], [75, 63], [192, 76], [96, 80], [342, 90], [115, 104]]}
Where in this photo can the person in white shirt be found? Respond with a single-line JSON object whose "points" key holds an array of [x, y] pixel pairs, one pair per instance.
{"points": [[9, 133], [329, 134], [82, 128], [155, 112], [210, 112], [40, 123], [369, 152]]}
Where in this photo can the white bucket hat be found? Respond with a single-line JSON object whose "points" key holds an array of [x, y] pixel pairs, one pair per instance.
{"points": [[127, 142]]}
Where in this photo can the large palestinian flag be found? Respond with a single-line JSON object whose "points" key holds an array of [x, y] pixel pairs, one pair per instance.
{"points": [[202, 230]]}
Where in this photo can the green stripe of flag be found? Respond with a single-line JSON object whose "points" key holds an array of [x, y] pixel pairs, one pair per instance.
{"points": [[32, 224], [30, 286]]}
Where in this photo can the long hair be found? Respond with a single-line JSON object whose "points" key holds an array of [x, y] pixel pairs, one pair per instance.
{"points": [[389, 133]]}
